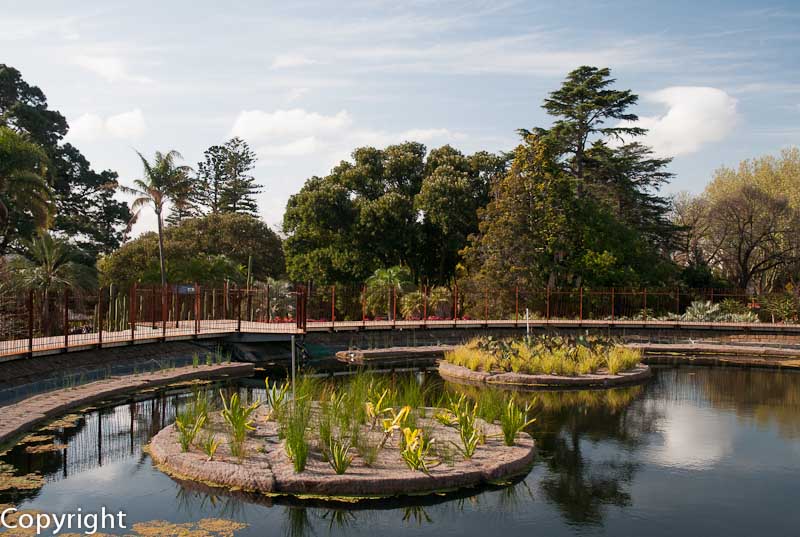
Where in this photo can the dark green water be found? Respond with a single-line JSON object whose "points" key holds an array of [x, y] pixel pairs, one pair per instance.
{"points": [[696, 451]]}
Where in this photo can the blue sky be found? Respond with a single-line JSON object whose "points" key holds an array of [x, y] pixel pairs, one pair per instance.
{"points": [[306, 82]]}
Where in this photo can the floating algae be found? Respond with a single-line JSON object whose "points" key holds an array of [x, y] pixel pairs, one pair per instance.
{"points": [[11, 482], [67, 422], [45, 448], [37, 438]]}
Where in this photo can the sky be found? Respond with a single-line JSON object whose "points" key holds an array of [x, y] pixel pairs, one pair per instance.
{"points": [[304, 83]]}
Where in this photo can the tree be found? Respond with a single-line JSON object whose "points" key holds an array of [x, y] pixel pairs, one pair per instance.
{"points": [[221, 244], [385, 208], [24, 192], [210, 180], [757, 234], [162, 179], [383, 284], [240, 187], [579, 206], [84, 205]]}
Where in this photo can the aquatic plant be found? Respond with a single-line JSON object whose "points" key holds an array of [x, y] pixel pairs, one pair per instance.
{"points": [[210, 445], [277, 396], [415, 450], [238, 418], [195, 360], [296, 436], [209, 359], [513, 420], [339, 455], [621, 359], [188, 427]]}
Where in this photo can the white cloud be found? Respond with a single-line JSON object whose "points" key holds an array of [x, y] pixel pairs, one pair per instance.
{"points": [[695, 116], [110, 68], [286, 61], [126, 125], [257, 125], [297, 148]]}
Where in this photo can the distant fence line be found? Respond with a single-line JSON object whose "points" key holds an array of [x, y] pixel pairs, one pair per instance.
{"points": [[34, 320]]}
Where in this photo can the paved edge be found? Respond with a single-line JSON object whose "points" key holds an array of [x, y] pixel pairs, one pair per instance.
{"points": [[459, 374], [264, 479], [24, 415]]}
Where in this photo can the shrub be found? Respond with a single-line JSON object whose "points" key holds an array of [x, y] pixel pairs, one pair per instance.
{"points": [[621, 359]]}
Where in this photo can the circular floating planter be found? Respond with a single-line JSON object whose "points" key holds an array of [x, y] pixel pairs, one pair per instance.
{"points": [[459, 374], [267, 470]]}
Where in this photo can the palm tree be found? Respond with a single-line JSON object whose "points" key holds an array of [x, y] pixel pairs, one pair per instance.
{"points": [[389, 280], [23, 187], [50, 265], [163, 180]]}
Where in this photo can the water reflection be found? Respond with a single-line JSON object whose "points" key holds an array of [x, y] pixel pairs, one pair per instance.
{"points": [[597, 452]]}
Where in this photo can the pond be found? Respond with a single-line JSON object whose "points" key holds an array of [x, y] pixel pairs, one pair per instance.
{"points": [[695, 451]]}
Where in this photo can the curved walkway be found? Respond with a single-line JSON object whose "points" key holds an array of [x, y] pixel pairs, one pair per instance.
{"points": [[23, 416]]}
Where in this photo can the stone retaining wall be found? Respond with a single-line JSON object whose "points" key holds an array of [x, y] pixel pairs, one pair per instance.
{"points": [[21, 417]]}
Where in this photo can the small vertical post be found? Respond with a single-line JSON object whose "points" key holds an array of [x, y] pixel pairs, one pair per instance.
{"points": [[197, 309], [164, 314], [363, 305], [712, 295], [580, 308], [424, 305], [176, 306], [30, 323], [100, 319], [153, 307], [66, 320], [516, 304], [394, 306], [644, 304], [455, 303], [225, 301], [677, 300], [239, 310], [294, 365], [547, 303], [132, 316], [333, 305], [249, 305], [486, 306], [612, 304], [269, 311]]}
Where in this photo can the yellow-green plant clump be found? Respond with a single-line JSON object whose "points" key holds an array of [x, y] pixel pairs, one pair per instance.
{"points": [[548, 355]]}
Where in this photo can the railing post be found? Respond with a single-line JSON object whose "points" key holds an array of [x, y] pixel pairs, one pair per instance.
{"points": [[132, 316], [239, 310], [269, 310], [612, 304], [394, 306], [516, 304], [176, 306], [644, 301], [363, 305], [486, 306], [196, 309], [30, 323], [424, 305], [153, 307], [333, 306], [66, 320], [455, 304], [100, 319], [249, 305], [677, 301], [580, 308], [164, 310], [547, 303]]}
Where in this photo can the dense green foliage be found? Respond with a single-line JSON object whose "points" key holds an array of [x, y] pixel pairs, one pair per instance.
{"points": [[207, 250], [388, 207], [222, 183], [576, 209], [84, 205]]}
